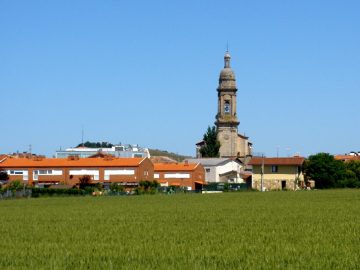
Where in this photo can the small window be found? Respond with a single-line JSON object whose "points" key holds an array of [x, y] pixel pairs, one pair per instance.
{"points": [[274, 168], [227, 107], [207, 169]]}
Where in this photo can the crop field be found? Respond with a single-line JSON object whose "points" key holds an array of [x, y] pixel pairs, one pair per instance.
{"points": [[244, 230]]}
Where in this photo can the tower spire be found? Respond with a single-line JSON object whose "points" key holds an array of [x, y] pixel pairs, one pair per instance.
{"points": [[227, 58]]}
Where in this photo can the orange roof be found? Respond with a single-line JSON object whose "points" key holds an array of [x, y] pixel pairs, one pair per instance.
{"points": [[177, 184], [62, 162], [277, 161], [200, 182], [346, 157], [170, 167], [162, 181]]}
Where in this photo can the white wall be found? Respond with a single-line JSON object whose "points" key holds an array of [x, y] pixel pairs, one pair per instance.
{"points": [[95, 173], [215, 171], [177, 175]]}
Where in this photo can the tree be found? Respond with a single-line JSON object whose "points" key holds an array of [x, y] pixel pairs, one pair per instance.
{"points": [[354, 167], [325, 170], [95, 144], [211, 145], [352, 174], [4, 177], [84, 181]]}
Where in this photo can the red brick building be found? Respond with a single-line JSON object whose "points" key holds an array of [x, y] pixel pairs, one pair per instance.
{"points": [[190, 176], [128, 171]]}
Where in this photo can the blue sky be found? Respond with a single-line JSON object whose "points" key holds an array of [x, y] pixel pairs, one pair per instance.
{"points": [[146, 72]]}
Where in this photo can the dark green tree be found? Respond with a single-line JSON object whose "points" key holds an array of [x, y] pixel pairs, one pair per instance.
{"points": [[211, 145], [326, 171], [3, 176], [354, 166], [95, 144], [84, 181], [352, 174]]}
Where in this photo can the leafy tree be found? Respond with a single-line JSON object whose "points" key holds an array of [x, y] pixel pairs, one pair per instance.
{"points": [[211, 145], [352, 174], [325, 170], [84, 181], [354, 167], [95, 144]]}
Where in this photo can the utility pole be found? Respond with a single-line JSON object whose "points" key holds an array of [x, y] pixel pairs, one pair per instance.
{"points": [[262, 174]]}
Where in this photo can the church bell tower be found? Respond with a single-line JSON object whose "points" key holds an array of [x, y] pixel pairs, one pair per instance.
{"points": [[226, 119]]}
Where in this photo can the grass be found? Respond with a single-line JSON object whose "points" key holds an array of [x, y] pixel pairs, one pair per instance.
{"points": [[274, 230]]}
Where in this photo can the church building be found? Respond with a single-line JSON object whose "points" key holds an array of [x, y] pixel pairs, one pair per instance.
{"points": [[233, 144]]}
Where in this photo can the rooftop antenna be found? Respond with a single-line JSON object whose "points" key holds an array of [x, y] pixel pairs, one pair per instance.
{"points": [[30, 149], [82, 136]]}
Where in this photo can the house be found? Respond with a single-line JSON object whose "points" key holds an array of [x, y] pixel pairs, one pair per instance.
{"points": [[348, 157], [190, 176], [220, 170], [121, 150], [49, 171], [277, 173]]}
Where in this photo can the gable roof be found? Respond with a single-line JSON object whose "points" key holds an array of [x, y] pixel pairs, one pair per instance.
{"points": [[165, 167], [62, 162], [277, 161], [209, 161]]}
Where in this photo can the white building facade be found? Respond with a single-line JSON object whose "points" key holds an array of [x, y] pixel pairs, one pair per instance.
{"points": [[220, 170], [124, 151]]}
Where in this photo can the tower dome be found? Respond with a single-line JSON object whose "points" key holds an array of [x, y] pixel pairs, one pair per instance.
{"points": [[227, 75]]}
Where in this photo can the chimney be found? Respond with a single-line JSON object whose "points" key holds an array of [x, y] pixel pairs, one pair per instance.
{"points": [[186, 163]]}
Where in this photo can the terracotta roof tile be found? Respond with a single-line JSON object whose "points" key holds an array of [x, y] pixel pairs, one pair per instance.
{"points": [[175, 166], [346, 157], [62, 162]]}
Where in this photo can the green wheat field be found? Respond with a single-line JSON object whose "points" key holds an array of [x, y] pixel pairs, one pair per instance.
{"points": [[244, 230]]}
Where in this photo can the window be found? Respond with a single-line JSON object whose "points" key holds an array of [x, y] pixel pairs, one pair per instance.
{"points": [[13, 172], [227, 107], [207, 169], [274, 168], [48, 172]]}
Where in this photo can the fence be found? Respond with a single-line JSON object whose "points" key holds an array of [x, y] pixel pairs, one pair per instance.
{"points": [[10, 194]]}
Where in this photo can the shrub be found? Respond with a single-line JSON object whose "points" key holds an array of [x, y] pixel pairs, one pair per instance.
{"points": [[15, 185]]}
